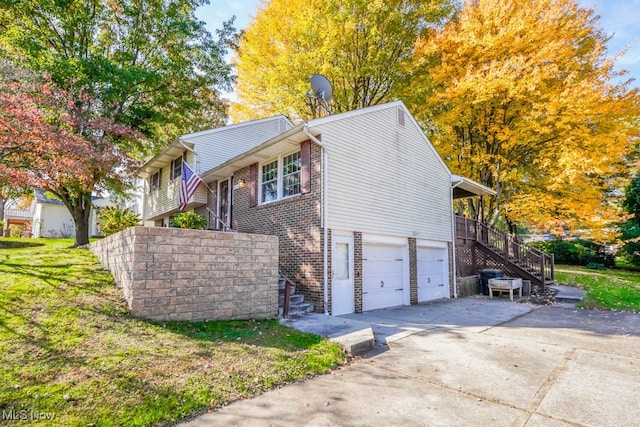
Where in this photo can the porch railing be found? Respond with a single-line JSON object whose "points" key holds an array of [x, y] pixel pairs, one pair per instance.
{"points": [[522, 257]]}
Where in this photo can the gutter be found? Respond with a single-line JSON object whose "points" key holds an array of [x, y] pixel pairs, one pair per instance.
{"points": [[325, 213]]}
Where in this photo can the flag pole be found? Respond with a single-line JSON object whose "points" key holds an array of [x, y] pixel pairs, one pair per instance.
{"points": [[197, 172]]}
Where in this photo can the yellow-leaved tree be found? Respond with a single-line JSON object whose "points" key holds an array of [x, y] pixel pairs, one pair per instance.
{"points": [[359, 45], [522, 97]]}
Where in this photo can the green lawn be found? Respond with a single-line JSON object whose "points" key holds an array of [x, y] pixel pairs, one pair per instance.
{"points": [[612, 289], [69, 348]]}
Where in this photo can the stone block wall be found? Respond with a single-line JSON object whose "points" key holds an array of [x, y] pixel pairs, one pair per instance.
{"points": [[177, 274]]}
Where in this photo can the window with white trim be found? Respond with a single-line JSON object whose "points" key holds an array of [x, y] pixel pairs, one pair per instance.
{"points": [[155, 181], [280, 178], [176, 168]]}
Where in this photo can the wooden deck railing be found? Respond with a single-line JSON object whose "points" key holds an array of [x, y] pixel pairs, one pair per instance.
{"points": [[514, 253]]}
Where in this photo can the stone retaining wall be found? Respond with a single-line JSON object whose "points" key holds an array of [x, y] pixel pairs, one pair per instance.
{"points": [[178, 274]]}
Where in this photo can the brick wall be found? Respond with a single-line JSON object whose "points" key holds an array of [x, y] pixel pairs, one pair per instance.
{"points": [[357, 267], [297, 222], [177, 274], [413, 271]]}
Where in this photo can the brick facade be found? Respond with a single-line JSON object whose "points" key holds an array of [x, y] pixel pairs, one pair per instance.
{"points": [[357, 270], [177, 274], [413, 271], [297, 221]]}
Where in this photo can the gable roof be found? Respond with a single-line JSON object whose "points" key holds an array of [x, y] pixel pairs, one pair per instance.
{"points": [[246, 135], [41, 197], [296, 135]]}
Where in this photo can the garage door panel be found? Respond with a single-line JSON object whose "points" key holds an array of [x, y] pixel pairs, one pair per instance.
{"points": [[382, 279], [433, 273]]}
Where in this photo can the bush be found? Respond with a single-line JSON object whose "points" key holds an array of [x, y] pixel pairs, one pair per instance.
{"points": [[17, 230], [189, 220], [112, 219], [576, 252]]}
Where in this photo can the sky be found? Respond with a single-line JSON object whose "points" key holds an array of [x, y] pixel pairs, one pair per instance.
{"points": [[619, 19]]}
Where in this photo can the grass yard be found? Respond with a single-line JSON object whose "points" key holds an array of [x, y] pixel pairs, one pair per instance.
{"points": [[70, 350], [611, 289]]}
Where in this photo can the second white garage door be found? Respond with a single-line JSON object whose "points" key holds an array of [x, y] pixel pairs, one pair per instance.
{"points": [[382, 276], [433, 273]]}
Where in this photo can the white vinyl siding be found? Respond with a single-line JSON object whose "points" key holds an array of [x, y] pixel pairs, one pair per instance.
{"points": [[384, 178], [164, 200], [222, 144]]}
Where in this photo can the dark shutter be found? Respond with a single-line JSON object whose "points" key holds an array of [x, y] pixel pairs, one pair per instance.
{"points": [[253, 185], [305, 169]]}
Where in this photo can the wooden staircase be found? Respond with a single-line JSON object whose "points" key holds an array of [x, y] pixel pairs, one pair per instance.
{"points": [[517, 259]]}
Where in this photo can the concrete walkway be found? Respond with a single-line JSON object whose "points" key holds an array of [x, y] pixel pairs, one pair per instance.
{"points": [[469, 362]]}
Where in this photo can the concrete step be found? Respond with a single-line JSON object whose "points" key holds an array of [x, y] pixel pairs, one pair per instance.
{"points": [[281, 290], [568, 294], [294, 299], [299, 309], [354, 336]]}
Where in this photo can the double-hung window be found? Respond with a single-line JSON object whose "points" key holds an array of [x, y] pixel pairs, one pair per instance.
{"points": [[176, 168], [280, 178], [155, 181]]}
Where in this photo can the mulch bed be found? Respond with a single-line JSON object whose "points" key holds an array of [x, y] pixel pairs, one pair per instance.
{"points": [[540, 297]]}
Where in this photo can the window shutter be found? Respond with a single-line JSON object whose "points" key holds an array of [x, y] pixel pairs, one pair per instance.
{"points": [[305, 169], [253, 185]]}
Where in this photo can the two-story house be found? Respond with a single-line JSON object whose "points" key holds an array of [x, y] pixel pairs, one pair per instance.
{"points": [[361, 202]]}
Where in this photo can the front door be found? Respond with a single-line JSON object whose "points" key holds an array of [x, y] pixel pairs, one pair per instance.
{"points": [[342, 293], [224, 204]]}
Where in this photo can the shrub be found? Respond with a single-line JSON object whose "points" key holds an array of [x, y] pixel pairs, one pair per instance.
{"points": [[112, 219], [17, 230], [576, 252], [189, 220]]}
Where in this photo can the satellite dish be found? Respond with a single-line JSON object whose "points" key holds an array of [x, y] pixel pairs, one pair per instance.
{"points": [[321, 87]]}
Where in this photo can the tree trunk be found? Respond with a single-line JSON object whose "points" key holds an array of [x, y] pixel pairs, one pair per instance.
{"points": [[80, 209], [82, 227]]}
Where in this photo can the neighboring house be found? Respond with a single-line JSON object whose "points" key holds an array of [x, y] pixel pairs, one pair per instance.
{"points": [[51, 218], [15, 217], [367, 182]]}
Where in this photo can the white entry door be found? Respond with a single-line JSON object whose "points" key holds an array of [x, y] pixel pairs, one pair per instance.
{"points": [[342, 295], [382, 278], [433, 273]]}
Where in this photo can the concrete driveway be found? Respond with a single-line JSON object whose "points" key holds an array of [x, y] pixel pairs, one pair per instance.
{"points": [[469, 362]]}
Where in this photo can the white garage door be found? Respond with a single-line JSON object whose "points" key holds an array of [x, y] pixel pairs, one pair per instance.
{"points": [[433, 273], [382, 278]]}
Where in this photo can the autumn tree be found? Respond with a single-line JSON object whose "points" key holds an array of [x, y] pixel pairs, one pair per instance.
{"points": [[46, 142], [522, 97], [359, 45], [150, 65]]}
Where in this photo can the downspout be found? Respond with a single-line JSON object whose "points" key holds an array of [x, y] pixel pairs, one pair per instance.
{"points": [[453, 242], [325, 212]]}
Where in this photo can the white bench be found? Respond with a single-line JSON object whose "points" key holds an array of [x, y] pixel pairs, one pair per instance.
{"points": [[504, 284]]}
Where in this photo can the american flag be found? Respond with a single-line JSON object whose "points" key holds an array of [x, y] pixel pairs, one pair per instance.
{"points": [[189, 185]]}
